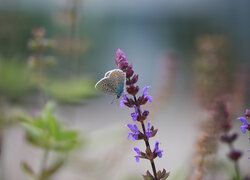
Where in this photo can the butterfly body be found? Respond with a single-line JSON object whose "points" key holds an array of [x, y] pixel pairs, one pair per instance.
{"points": [[113, 83]]}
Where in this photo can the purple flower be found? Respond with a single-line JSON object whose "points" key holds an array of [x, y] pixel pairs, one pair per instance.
{"points": [[249, 151], [145, 92], [137, 157], [148, 131], [135, 114], [125, 100], [121, 59], [134, 132], [157, 150], [245, 124]]}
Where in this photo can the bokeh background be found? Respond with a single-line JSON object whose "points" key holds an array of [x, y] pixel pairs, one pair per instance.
{"points": [[190, 52]]}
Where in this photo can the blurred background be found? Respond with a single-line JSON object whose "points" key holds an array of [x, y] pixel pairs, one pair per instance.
{"points": [[192, 53]]}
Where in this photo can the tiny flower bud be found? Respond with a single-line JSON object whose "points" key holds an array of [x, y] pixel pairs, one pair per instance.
{"points": [[129, 72], [123, 65], [133, 90], [235, 155], [143, 101], [135, 79], [144, 115], [228, 138]]}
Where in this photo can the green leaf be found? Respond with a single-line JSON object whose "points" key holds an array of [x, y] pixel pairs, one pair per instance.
{"points": [[67, 135], [46, 132]]}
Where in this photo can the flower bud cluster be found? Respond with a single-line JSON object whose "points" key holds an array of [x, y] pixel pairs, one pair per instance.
{"points": [[40, 46], [225, 126]]}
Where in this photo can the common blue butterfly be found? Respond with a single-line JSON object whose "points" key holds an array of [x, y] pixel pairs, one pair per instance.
{"points": [[113, 83]]}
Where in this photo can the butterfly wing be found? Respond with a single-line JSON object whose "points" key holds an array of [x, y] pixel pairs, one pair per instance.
{"points": [[118, 76], [107, 74], [106, 85]]}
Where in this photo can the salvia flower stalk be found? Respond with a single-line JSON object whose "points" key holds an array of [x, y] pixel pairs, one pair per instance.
{"points": [[245, 125], [131, 100], [228, 137]]}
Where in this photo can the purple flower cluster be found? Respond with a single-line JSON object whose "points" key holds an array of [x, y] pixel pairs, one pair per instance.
{"points": [[246, 125], [130, 100]]}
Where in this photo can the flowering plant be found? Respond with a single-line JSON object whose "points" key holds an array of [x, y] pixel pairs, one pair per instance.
{"points": [[246, 125], [132, 101]]}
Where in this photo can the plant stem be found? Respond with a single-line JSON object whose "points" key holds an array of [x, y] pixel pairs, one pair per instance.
{"points": [[43, 164], [236, 166], [148, 147], [146, 140]]}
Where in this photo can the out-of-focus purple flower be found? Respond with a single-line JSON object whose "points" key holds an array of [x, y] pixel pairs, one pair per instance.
{"points": [[148, 131], [229, 138], [137, 157], [134, 132], [247, 114], [121, 59], [157, 150], [245, 124], [145, 94], [234, 155], [135, 114]]}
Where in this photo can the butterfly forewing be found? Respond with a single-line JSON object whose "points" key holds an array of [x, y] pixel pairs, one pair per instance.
{"points": [[105, 85]]}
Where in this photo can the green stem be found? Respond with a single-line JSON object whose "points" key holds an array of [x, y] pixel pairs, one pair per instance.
{"points": [[237, 172], [43, 164], [236, 165]]}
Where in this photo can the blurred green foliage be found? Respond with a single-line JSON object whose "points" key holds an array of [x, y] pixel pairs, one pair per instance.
{"points": [[46, 132], [14, 78], [72, 90]]}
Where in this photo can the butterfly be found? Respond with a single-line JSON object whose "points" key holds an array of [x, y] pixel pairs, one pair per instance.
{"points": [[113, 83]]}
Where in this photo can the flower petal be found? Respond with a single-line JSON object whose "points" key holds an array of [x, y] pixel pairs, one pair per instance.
{"points": [[243, 120], [137, 150], [243, 129]]}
